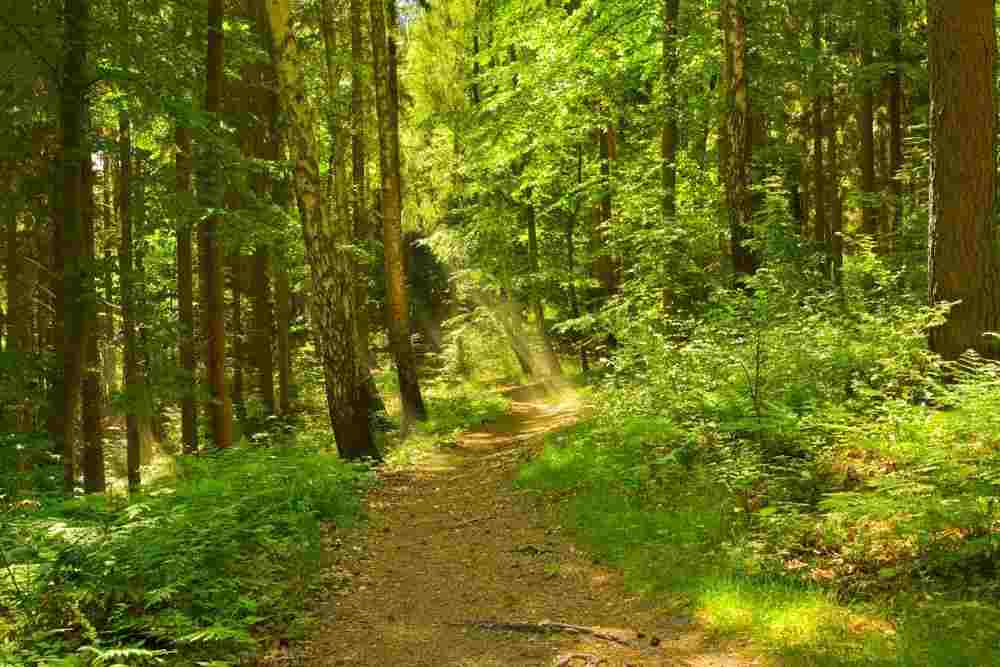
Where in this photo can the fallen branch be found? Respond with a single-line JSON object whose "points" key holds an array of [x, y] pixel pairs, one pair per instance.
{"points": [[589, 660], [546, 627]]}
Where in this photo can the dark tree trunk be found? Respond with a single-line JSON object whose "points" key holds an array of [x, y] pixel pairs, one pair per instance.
{"points": [[211, 261], [571, 221], [132, 376], [866, 125], [93, 433], [895, 122], [837, 207], [75, 152], [238, 339], [397, 290], [820, 229], [963, 263], [263, 325], [537, 305], [185, 297], [283, 308]]}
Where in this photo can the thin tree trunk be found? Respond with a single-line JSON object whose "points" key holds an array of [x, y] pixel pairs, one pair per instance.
{"points": [[668, 148], [571, 222], [238, 339], [185, 296], [537, 305], [740, 145], [837, 208], [263, 325], [283, 301], [93, 433], [387, 106], [75, 151], [109, 371], [820, 229], [963, 263], [895, 123], [331, 266], [132, 380], [866, 123], [209, 247]]}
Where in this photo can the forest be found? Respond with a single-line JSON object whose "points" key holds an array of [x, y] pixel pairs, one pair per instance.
{"points": [[499, 332]]}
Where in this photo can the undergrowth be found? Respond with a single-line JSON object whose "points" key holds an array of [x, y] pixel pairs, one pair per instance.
{"points": [[195, 571], [799, 472]]}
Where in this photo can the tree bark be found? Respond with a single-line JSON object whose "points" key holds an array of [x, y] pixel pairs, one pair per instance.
{"points": [[238, 338], [283, 302], [185, 296], [93, 432], [837, 207], [331, 266], [75, 151], [820, 229], [739, 146], [397, 289], [132, 379], [866, 125], [963, 263], [537, 304], [209, 247], [895, 123], [668, 147], [263, 325]]}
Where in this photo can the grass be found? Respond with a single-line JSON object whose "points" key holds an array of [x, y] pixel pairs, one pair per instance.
{"points": [[633, 495]]}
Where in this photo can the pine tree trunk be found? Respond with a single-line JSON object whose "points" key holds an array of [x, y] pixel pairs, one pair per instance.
{"points": [[211, 261], [109, 372], [283, 302], [820, 229], [93, 432], [963, 262], [837, 208], [668, 148], [132, 376], [237, 339], [263, 325], [185, 297], [739, 145], [331, 266], [866, 125], [75, 151], [895, 122], [571, 222], [397, 290]]}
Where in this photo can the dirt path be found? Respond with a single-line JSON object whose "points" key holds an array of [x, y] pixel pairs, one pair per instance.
{"points": [[452, 548]]}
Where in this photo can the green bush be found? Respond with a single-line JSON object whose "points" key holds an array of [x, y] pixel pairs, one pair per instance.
{"points": [[197, 569]]}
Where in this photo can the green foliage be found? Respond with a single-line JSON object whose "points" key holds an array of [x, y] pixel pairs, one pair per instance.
{"points": [[197, 569]]}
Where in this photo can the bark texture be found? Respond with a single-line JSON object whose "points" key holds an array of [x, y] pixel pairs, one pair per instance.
{"points": [[963, 262], [330, 264]]}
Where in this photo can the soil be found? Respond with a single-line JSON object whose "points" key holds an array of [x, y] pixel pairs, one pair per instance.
{"points": [[455, 567]]}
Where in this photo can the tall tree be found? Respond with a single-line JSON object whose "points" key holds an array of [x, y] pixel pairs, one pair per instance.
{"points": [[126, 267], [963, 263], [211, 260], [895, 118], [75, 151], [866, 125], [326, 238], [738, 145], [185, 294], [669, 137], [93, 434], [398, 301]]}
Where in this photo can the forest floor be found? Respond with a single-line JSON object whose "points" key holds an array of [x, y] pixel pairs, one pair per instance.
{"points": [[455, 566]]}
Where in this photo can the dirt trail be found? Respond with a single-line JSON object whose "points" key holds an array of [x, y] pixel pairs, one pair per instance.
{"points": [[451, 547]]}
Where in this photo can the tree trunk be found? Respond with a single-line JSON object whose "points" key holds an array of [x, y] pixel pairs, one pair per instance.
{"points": [[397, 290], [963, 262], [895, 123], [837, 208], [185, 296], [739, 147], [75, 151], [605, 270], [93, 433], [109, 371], [866, 125], [331, 266], [238, 339], [364, 231], [209, 247], [571, 222], [132, 379], [263, 325], [668, 148], [820, 229], [537, 304], [283, 303]]}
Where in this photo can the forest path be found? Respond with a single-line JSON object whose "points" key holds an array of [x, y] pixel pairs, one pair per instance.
{"points": [[451, 547]]}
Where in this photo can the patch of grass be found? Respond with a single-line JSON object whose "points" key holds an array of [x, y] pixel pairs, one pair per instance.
{"points": [[194, 570], [679, 522]]}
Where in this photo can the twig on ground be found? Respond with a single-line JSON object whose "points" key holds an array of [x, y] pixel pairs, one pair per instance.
{"points": [[546, 627], [589, 659]]}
